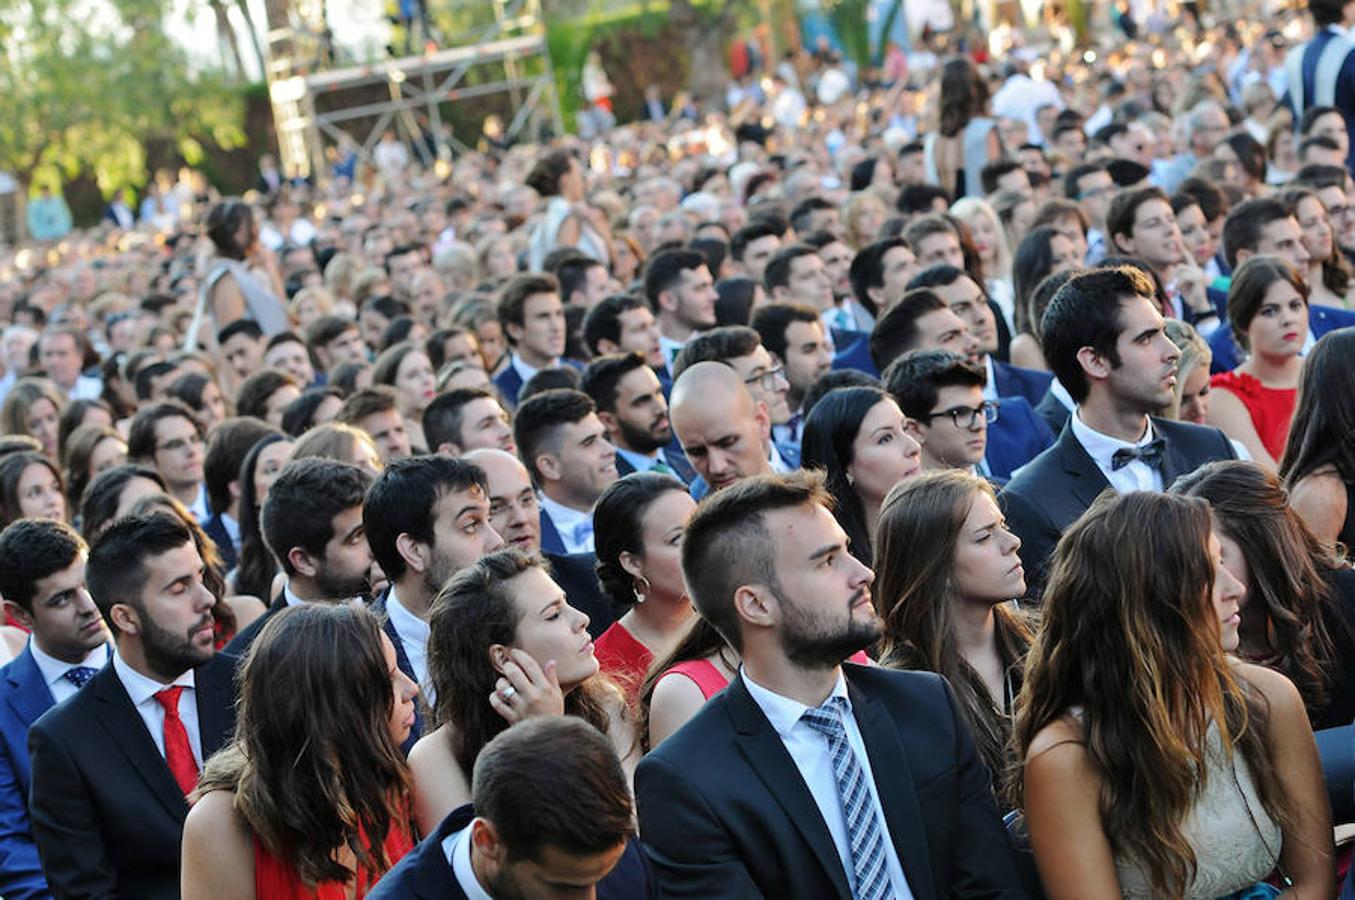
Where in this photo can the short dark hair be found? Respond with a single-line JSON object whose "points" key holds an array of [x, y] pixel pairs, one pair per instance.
{"points": [[303, 501], [803, 211], [116, 573], [1316, 142], [777, 273], [993, 172], [378, 398], [512, 301], [603, 322], [141, 435], [444, 415], [31, 550], [772, 320], [1085, 312], [252, 399], [832, 380], [573, 274], [247, 327], [755, 230], [867, 269], [1250, 284], [1213, 202], [539, 418], [1076, 174], [550, 378], [916, 199], [717, 345], [603, 375], [143, 381], [327, 329], [1242, 228], [727, 543], [1313, 113], [1124, 206], [1318, 176], [665, 269], [939, 275], [553, 781], [226, 451], [896, 331], [924, 227], [299, 416], [283, 337], [915, 379], [401, 501]]}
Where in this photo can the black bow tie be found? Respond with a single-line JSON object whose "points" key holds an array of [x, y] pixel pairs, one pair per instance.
{"points": [[1150, 453]]}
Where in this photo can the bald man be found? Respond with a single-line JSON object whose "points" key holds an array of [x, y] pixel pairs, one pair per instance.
{"points": [[516, 516], [724, 433]]}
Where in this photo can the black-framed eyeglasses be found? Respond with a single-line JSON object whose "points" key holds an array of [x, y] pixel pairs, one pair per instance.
{"points": [[968, 416], [767, 379]]}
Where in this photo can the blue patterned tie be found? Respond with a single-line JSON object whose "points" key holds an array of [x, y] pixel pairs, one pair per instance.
{"points": [[863, 826], [79, 675]]}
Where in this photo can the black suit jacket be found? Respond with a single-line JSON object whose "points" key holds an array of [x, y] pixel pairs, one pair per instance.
{"points": [[403, 663], [725, 813], [107, 814], [424, 873], [1057, 486], [245, 637]]}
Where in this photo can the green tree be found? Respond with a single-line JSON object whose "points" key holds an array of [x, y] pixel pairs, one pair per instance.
{"points": [[88, 83]]}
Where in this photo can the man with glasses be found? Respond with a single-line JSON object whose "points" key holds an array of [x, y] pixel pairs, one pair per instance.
{"points": [[167, 438], [1091, 186], [942, 396], [740, 348]]}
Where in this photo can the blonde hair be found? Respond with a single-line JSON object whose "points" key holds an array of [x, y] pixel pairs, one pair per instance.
{"points": [[967, 208], [340, 274]]}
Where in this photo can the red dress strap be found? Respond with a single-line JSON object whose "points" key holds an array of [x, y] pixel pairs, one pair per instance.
{"points": [[702, 671]]}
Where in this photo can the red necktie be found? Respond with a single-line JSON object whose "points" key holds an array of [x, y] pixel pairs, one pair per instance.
{"points": [[178, 752]]}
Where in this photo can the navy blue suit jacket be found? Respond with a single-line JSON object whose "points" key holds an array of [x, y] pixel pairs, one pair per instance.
{"points": [[725, 814], [1015, 381], [424, 873], [853, 352], [1345, 84], [672, 457], [1057, 487], [24, 697], [1321, 319], [216, 530], [1018, 436], [551, 542], [1054, 413], [510, 383], [402, 661]]}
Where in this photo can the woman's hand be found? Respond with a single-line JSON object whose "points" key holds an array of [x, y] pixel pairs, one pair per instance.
{"points": [[1191, 286], [527, 689]]}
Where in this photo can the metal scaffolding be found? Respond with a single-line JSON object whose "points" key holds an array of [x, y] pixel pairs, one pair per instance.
{"points": [[511, 54]]}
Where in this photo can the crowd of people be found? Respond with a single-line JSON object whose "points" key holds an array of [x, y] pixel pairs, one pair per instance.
{"points": [[924, 490]]}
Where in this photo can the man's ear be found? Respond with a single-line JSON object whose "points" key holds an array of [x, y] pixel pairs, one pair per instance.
{"points": [[234, 488], [449, 448], [1243, 255], [125, 619], [1096, 366], [756, 605], [413, 552], [514, 332], [667, 302], [302, 562], [764, 419], [1124, 243], [548, 466], [608, 421], [606, 347], [19, 614], [485, 841]]}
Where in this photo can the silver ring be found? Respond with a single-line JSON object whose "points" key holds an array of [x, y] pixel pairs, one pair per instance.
{"points": [[508, 692]]}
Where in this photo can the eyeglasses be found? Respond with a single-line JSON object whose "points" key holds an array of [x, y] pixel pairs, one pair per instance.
{"points": [[968, 416], [767, 379], [179, 445]]}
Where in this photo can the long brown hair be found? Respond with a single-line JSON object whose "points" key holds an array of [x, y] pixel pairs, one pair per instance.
{"points": [[701, 640], [1322, 431], [1286, 569], [1130, 637], [472, 612], [313, 766], [915, 592]]}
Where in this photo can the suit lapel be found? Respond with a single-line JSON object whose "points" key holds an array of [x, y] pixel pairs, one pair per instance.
{"points": [[768, 757], [31, 697], [889, 766], [1089, 482], [433, 878], [1175, 463], [212, 688], [123, 723], [551, 542]]}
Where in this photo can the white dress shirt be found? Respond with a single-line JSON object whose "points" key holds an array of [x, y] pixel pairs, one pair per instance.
{"points": [[575, 527], [779, 464], [289, 596], [201, 508], [639, 461], [86, 387], [413, 634], [142, 691], [456, 847], [670, 349], [525, 372], [990, 385], [808, 749], [54, 670], [1136, 476]]}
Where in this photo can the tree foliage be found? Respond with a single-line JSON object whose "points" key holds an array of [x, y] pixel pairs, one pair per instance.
{"points": [[89, 81]]}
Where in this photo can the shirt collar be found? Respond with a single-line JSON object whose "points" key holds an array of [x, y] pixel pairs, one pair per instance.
{"points": [[990, 385], [567, 520], [141, 688], [53, 669], [783, 712], [525, 372], [289, 596], [641, 462], [409, 626], [779, 464], [232, 528], [1101, 447], [456, 847]]}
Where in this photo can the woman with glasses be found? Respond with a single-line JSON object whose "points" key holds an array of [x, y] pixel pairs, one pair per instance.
{"points": [[859, 437]]}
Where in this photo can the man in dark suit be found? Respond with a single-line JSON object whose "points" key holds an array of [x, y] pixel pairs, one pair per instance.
{"points": [[426, 518], [550, 812], [564, 444], [515, 514], [631, 406], [941, 393], [807, 777], [113, 764], [1321, 71], [1104, 339], [533, 320], [312, 524], [42, 578]]}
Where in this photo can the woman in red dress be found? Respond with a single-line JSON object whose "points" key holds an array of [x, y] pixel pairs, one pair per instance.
{"points": [[637, 526], [1268, 312], [311, 800]]}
